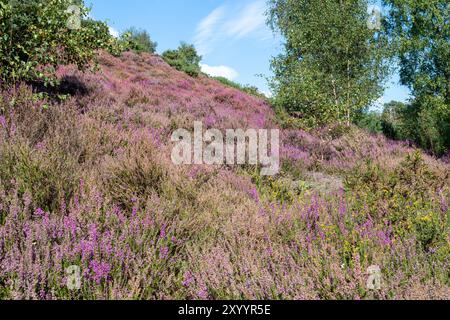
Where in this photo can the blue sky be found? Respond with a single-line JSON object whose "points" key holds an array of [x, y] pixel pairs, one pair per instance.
{"points": [[231, 35]]}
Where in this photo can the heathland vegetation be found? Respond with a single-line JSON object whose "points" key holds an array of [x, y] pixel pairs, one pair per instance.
{"points": [[86, 178]]}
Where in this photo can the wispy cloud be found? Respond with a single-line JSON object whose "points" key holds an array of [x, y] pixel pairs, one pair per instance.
{"points": [[206, 29], [220, 71], [231, 23], [252, 18]]}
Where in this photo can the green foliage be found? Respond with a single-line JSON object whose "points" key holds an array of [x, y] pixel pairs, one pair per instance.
{"points": [[277, 190], [394, 121], [138, 40], [35, 39], [370, 121], [420, 33], [405, 194], [185, 59], [333, 65], [433, 123], [244, 88], [426, 121]]}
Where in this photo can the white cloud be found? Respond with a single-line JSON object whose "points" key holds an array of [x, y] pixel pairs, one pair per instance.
{"points": [[206, 29], [252, 18], [225, 24], [220, 71], [113, 32]]}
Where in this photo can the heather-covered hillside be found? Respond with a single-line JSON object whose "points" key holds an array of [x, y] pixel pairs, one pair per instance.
{"points": [[86, 179]]}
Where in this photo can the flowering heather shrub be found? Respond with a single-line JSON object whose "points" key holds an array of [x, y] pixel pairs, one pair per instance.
{"points": [[88, 181]]}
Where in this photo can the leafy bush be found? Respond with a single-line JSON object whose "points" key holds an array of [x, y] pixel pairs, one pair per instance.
{"points": [[370, 121], [420, 33], [395, 121], [433, 123], [244, 88], [405, 194], [425, 120], [138, 40], [36, 38], [185, 59]]}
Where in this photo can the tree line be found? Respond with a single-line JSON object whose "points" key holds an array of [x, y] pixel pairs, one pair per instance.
{"points": [[335, 63]]}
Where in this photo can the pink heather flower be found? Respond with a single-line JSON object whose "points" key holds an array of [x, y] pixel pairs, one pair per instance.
{"points": [[254, 194], [39, 213], [164, 252], [262, 212], [155, 135], [27, 231], [70, 225], [210, 121], [384, 238], [13, 129], [134, 211], [93, 232], [2, 121], [87, 249], [101, 270], [163, 232], [188, 279], [193, 173], [342, 209], [260, 120], [203, 294], [40, 145], [42, 294]]}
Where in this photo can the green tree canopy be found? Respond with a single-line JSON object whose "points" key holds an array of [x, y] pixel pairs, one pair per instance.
{"points": [[36, 36], [333, 64], [139, 40], [185, 59], [420, 32]]}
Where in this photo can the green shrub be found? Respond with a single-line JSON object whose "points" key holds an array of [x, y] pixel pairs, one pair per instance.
{"points": [[425, 121], [433, 119], [245, 88], [37, 36], [138, 40], [394, 120], [185, 59], [408, 195], [370, 121]]}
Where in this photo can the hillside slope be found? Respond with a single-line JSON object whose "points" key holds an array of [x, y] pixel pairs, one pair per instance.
{"points": [[88, 182]]}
